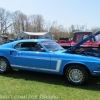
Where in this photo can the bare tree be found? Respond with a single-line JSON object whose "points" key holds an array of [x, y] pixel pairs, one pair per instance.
{"points": [[94, 29], [57, 30], [37, 23], [5, 21], [20, 22]]}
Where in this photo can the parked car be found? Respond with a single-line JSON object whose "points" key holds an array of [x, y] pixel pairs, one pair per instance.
{"points": [[79, 36], [44, 55], [6, 40], [11, 39]]}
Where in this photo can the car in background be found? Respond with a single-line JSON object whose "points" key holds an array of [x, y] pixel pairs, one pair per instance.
{"points": [[6, 40], [44, 55], [11, 39]]}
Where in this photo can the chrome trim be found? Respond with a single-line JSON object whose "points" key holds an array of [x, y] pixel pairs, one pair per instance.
{"points": [[96, 71], [76, 75], [3, 65], [32, 57], [36, 58]]}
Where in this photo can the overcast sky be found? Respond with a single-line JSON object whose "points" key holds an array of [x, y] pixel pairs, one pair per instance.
{"points": [[65, 12]]}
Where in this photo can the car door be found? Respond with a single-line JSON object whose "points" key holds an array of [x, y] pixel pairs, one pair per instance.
{"points": [[30, 58]]}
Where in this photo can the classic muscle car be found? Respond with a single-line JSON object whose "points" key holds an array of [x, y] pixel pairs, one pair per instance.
{"points": [[44, 55]]}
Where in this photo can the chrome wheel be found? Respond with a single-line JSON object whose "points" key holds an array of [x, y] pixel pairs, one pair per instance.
{"points": [[76, 75], [3, 65]]}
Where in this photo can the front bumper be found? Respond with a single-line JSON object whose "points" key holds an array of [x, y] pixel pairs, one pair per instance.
{"points": [[97, 73]]}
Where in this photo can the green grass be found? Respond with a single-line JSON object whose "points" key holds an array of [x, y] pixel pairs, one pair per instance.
{"points": [[23, 85]]}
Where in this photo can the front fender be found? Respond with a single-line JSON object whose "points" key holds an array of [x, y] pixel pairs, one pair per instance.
{"points": [[87, 65], [10, 58]]}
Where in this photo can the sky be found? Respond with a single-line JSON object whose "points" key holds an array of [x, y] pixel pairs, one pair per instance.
{"points": [[64, 12]]}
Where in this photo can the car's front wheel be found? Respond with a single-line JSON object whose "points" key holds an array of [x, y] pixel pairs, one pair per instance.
{"points": [[4, 65], [76, 74]]}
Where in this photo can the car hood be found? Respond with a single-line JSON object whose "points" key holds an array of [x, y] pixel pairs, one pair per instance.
{"points": [[71, 49], [63, 54]]}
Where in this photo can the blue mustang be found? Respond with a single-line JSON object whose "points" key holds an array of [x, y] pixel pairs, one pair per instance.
{"points": [[44, 55]]}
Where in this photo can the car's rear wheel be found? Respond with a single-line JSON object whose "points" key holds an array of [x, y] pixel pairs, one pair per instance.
{"points": [[4, 65], [76, 74]]}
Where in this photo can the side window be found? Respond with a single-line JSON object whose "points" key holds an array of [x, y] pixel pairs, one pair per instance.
{"points": [[29, 46], [79, 37], [85, 36], [18, 46]]}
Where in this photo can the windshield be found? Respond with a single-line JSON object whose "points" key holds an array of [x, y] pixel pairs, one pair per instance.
{"points": [[52, 46], [97, 38]]}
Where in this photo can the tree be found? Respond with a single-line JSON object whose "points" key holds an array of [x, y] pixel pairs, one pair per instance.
{"points": [[5, 21], [37, 23], [19, 22]]}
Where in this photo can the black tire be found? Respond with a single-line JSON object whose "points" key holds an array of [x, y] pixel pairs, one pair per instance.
{"points": [[76, 74], [4, 65]]}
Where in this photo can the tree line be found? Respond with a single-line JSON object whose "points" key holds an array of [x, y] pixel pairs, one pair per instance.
{"points": [[12, 23]]}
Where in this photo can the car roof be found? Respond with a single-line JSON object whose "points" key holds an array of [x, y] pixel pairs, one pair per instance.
{"points": [[24, 40], [37, 40]]}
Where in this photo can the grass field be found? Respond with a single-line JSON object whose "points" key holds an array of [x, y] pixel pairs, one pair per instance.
{"points": [[23, 85]]}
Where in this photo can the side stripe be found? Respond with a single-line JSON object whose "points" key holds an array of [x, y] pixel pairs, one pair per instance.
{"points": [[58, 65]]}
